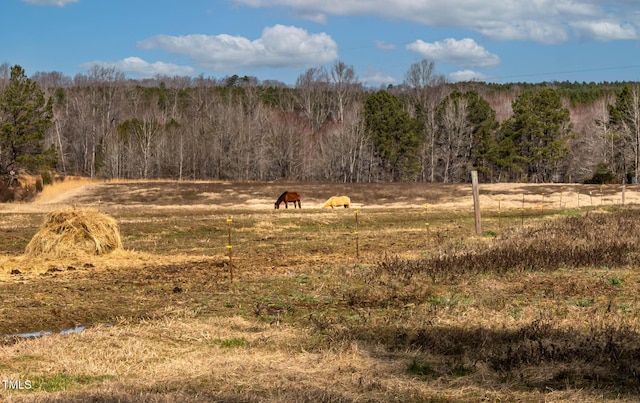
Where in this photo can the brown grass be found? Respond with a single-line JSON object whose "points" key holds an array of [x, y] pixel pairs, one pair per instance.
{"points": [[542, 307]]}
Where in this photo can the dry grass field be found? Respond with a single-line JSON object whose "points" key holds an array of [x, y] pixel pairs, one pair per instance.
{"points": [[415, 307]]}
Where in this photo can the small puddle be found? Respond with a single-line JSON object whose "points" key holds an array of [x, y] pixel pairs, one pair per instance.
{"points": [[33, 335]]}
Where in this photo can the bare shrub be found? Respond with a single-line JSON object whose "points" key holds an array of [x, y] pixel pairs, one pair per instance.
{"points": [[6, 193], [18, 192], [611, 240]]}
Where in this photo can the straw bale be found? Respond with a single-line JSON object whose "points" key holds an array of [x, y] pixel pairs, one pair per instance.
{"points": [[73, 232]]}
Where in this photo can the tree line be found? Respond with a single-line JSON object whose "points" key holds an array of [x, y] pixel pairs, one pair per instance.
{"points": [[327, 127]]}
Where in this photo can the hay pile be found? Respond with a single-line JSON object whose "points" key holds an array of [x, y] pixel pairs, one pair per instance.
{"points": [[73, 232]]}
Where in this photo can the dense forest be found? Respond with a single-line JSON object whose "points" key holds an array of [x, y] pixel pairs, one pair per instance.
{"points": [[327, 127]]}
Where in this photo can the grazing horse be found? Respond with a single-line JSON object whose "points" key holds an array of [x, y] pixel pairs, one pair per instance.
{"points": [[288, 197], [336, 201]]}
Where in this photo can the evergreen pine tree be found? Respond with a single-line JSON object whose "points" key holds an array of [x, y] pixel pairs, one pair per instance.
{"points": [[25, 115], [394, 134]]}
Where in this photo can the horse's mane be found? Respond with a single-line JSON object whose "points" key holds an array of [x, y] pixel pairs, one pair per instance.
{"points": [[282, 196]]}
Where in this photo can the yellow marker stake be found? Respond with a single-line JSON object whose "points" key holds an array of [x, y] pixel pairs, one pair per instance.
{"points": [[561, 200], [426, 209], [229, 221], [356, 235], [499, 214]]}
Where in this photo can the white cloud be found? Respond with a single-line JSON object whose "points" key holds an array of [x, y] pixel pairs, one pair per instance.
{"points": [[545, 21], [320, 18], [375, 77], [56, 3], [466, 75], [605, 31], [139, 68], [279, 46], [538, 31], [382, 45], [465, 52]]}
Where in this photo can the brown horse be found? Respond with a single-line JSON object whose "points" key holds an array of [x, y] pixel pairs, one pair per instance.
{"points": [[288, 197]]}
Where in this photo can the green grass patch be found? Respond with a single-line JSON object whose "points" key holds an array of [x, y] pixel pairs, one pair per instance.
{"points": [[460, 370], [584, 302], [432, 299], [419, 368], [62, 382], [615, 281], [305, 299], [234, 342]]}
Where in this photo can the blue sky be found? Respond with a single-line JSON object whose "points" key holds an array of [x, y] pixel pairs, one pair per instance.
{"points": [[488, 40]]}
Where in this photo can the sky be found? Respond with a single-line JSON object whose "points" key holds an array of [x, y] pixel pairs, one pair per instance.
{"points": [[498, 41]]}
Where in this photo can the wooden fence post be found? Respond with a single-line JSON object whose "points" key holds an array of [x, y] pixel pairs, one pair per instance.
{"points": [[476, 201]]}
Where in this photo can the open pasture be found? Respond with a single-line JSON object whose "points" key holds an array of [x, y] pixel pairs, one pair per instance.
{"points": [[542, 307]]}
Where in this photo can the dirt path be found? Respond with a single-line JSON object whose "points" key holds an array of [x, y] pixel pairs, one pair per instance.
{"points": [[65, 196], [53, 197]]}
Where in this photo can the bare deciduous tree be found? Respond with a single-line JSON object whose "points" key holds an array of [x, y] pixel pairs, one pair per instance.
{"points": [[426, 91], [313, 94], [343, 81], [454, 137]]}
